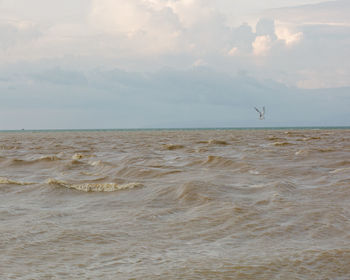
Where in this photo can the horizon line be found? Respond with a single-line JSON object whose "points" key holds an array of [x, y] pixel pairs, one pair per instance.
{"points": [[173, 128]]}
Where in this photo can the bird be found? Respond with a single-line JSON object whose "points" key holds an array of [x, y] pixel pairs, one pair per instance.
{"points": [[261, 114]]}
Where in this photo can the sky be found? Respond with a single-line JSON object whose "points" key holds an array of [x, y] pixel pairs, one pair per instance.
{"points": [[173, 63]]}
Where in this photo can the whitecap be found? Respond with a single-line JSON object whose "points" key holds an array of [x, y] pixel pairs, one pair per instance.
{"points": [[94, 187], [77, 156], [4, 180]]}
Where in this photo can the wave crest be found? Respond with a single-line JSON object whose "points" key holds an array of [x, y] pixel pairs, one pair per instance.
{"points": [[281, 143], [77, 156], [41, 159], [217, 142], [7, 181], [172, 147], [218, 161], [94, 187], [191, 192]]}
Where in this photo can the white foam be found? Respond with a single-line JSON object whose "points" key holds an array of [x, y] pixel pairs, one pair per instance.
{"points": [[95, 187], [4, 180], [77, 156], [340, 170]]}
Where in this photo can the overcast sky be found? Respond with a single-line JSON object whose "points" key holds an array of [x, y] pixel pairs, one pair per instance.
{"points": [[173, 63]]}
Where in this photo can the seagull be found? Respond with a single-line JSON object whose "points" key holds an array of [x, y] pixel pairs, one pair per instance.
{"points": [[261, 114]]}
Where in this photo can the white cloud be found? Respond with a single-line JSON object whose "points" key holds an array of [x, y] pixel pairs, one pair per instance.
{"points": [[164, 25], [145, 26], [120, 16], [289, 38], [151, 34], [261, 45], [233, 51], [193, 12]]}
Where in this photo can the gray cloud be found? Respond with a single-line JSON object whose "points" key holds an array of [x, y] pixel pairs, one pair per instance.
{"points": [[266, 27], [196, 97], [326, 12], [242, 37], [17, 33], [61, 77]]}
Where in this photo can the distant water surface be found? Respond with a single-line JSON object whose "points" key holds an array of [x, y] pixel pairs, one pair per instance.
{"points": [[175, 204]]}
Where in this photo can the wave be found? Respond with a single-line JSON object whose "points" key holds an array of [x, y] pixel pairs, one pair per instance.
{"points": [[218, 161], [144, 173], [275, 138], [281, 143], [340, 170], [7, 181], [214, 142], [301, 152], [339, 164], [76, 162], [213, 161], [8, 147], [77, 156], [96, 163], [311, 138], [284, 187], [191, 192], [217, 142], [294, 134], [94, 187], [325, 150], [172, 147], [49, 158]]}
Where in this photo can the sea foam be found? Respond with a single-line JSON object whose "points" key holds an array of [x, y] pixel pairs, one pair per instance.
{"points": [[94, 187]]}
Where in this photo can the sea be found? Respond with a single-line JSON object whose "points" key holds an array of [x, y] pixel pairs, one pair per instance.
{"points": [[175, 204]]}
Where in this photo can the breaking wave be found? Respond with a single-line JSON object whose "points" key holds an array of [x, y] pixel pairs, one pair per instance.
{"points": [[94, 187], [7, 181]]}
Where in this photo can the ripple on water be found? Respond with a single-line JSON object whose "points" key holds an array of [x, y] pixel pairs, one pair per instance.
{"points": [[196, 204]]}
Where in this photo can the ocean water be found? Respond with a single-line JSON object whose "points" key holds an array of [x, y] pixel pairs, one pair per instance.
{"points": [[175, 204]]}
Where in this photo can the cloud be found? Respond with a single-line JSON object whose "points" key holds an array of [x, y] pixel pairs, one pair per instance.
{"points": [[146, 35], [17, 32], [199, 62], [233, 51], [198, 96], [321, 78], [61, 77], [40, 11], [159, 26], [144, 26], [326, 12], [265, 27], [242, 38], [262, 45], [121, 16], [289, 38], [193, 13], [311, 45]]}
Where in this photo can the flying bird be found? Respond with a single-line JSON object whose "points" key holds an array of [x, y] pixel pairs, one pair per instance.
{"points": [[261, 113]]}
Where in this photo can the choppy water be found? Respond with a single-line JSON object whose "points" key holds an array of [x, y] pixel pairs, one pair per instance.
{"points": [[216, 204]]}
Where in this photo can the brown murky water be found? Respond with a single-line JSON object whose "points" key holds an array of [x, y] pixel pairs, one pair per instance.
{"points": [[201, 204]]}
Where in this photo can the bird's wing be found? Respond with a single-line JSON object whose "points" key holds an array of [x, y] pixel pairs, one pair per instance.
{"points": [[256, 109]]}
